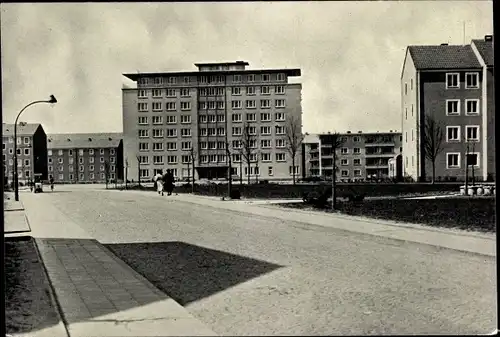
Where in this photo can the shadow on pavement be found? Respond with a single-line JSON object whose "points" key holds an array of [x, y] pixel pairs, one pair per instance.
{"points": [[188, 272], [28, 306]]}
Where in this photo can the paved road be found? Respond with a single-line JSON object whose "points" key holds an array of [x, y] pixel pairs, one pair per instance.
{"points": [[246, 275]]}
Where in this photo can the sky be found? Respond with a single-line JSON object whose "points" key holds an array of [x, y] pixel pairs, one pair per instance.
{"points": [[350, 53]]}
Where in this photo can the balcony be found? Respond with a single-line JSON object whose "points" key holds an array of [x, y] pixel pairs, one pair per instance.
{"points": [[380, 154], [380, 143], [376, 166]]}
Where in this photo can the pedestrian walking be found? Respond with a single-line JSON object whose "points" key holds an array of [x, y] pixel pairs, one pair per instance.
{"points": [[159, 183], [169, 182]]}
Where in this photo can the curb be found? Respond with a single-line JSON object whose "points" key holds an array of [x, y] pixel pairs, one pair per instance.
{"points": [[62, 325]]}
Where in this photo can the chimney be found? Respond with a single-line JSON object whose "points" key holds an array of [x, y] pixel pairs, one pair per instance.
{"points": [[488, 38], [360, 131], [444, 44], [69, 140], [348, 131], [90, 139], [109, 138]]}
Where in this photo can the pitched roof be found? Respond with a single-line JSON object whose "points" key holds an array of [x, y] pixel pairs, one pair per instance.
{"points": [[444, 57], [83, 140], [485, 49], [23, 129]]}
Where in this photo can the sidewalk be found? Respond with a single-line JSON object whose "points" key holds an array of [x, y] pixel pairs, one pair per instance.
{"points": [[98, 294], [484, 244], [15, 221]]}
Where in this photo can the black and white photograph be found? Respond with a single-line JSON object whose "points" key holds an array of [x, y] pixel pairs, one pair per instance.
{"points": [[279, 168]]}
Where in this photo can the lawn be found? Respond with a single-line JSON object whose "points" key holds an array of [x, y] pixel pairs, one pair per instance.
{"points": [[472, 214], [28, 306], [278, 191]]}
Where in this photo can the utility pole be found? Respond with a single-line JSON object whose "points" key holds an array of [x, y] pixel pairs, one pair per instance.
{"points": [[467, 169], [126, 172]]}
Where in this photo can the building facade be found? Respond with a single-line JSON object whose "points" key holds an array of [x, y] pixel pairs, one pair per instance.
{"points": [[172, 118], [84, 157], [454, 87], [361, 157], [31, 151]]}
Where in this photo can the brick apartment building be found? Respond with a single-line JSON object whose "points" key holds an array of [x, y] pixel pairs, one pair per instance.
{"points": [[454, 84], [82, 157], [31, 151], [362, 156], [170, 113]]}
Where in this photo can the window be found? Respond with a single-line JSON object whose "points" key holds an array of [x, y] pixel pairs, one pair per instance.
{"points": [[265, 117], [344, 173], [144, 173], [357, 173], [356, 150], [172, 80], [101, 159], [280, 77], [157, 93], [250, 104], [293, 170], [142, 94], [251, 117], [70, 168], [157, 133], [253, 157], [186, 159], [472, 133], [472, 107], [158, 160], [49, 152], [236, 144], [265, 90], [452, 133], [142, 107], [235, 91], [26, 140], [280, 103], [221, 145], [143, 133], [236, 158], [60, 152], [280, 117], [212, 158], [211, 105], [203, 132], [452, 107], [26, 162], [172, 159], [265, 130], [220, 105], [51, 169], [471, 80], [472, 159], [144, 81], [452, 80], [250, 91], [265, 104], [157, 120], [236, 104], [185, 105], [143, 146], [158, 80], [453, 160], [203, 145], [279, 90], [26, 152], [356, 162], [270, 171], [266, 77], [406, 113], [280, 157], [280, 130], [170, 106], [101, 167], [203, 118], [185, 132], [251, 78], [143, 159], [406, 88], [80, 160], [171, 132], [344, 162], [265, 143], [236, 118], [280, 143], [171, 146], [143, 120], [344, 150], [221, 158], [185, 119], [236, 78], [212, 118], [158, 146], [265, 157], [156, 106], [411, 84], [185, 92], [252, 144], [221, 132], [81, 168], [186, 145], [343, 139], [252, 130], [212, 131]]}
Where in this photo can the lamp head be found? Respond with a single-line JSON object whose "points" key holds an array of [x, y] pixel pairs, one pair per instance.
{"points": [[52, 99]]}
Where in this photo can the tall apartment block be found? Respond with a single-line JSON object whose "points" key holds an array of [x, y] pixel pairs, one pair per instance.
{"points": [[83, 157], [168, 114], [453, 85], [362, 156], [31, 151]]}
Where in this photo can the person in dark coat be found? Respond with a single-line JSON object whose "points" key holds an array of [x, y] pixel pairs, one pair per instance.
{"points": [[169, 182]]}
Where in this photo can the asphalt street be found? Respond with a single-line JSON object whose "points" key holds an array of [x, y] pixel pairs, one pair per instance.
{"points": [[257, 275]]}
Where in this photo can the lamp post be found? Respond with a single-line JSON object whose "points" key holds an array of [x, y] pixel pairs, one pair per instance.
{"points": [[52, 100]]}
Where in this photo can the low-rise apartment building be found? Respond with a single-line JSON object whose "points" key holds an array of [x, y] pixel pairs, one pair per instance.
{"points": [[171, 115], [83, 157], [362, 156], [452, 85], [31, 151]]}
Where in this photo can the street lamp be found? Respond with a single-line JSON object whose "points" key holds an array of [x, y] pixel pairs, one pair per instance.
{"points": [[52, 100]]}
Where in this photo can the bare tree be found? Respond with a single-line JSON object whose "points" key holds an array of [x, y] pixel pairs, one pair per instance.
{"points": [[138, 157], [247, 142], [192, 157], [294, 140], [256, 168], [432, 139], [229, 169], [106, 172], [335, 141]]}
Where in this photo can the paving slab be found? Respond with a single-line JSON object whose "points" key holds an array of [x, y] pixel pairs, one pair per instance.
{"points": [[16, 222]]}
